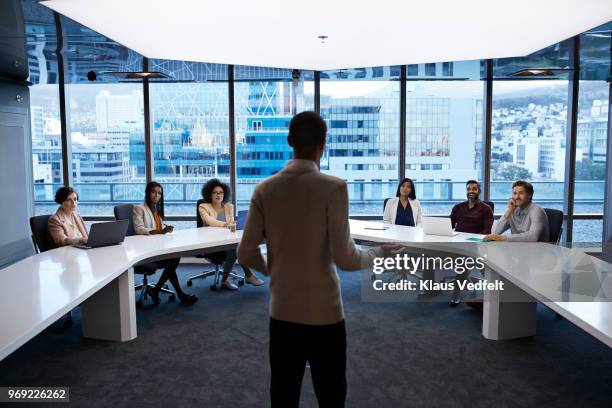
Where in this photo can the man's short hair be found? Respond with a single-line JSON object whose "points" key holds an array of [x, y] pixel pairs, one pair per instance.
{"points": [[526, 185], [472, 182], [307, 130]]}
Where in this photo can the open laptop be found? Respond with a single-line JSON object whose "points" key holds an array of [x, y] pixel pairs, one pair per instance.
{"points": [[241, 221], [105, 234], [438, 226]]}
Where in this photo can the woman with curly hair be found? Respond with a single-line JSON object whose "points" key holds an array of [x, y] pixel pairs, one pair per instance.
{"points": [[216, 211]]}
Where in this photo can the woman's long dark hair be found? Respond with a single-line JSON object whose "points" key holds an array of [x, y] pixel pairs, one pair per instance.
{"points": [[412, 194], [210, 185], [149, 203]]}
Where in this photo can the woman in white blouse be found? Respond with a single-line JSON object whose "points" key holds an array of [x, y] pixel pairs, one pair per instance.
{"points": [[404, 209]]}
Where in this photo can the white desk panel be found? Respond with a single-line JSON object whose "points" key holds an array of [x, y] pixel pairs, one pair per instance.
{"points": [[399, 233], [40, 289], [575, 285]]}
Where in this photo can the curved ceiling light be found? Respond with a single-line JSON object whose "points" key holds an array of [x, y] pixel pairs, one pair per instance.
{"points": [[360, 33]]}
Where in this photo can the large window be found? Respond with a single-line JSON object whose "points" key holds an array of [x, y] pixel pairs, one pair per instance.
{"points": [[189, 125], [265, 101], [443, 140], [190, 121], [361, 108], [528, 140], [592, 135], [107, 134], [46, 144]]}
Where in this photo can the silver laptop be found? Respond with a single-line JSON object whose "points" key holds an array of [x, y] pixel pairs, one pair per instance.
{"points": [[105, 234], [438, 226]]}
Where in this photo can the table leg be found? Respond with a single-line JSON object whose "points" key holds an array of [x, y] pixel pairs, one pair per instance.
{"points": [[507, 314], [110, 314]]}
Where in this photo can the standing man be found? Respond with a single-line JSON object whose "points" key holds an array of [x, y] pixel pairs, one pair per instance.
{"points": [[471, 216], [527, 222], [302, 215]]}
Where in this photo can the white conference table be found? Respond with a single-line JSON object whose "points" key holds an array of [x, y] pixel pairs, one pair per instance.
{"points": [[575, 285], [38, 290]]}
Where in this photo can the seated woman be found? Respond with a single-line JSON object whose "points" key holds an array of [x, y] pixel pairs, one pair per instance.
{"points": [[66, 227], [405, 209], [217, 212], [397, 210], [148, 220]]}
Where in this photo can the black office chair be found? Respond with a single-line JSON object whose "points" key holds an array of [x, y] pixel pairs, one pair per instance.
{"points": [[215, 258], [40, 232], [555, 225], [39, 227], [555, 229], [124, 212]]}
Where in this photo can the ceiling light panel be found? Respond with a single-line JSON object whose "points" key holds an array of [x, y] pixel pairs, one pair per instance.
{"points": [[360, 33]]}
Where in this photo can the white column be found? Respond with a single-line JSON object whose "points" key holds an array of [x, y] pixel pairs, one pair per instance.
{"points": [[110, 314], [508, 313]]}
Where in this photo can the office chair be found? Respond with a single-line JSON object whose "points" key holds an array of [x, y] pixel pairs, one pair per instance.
{"points": [[124, 212], [39, 227], [555, 229], [215, 258], [555, 225], [385, 204]]}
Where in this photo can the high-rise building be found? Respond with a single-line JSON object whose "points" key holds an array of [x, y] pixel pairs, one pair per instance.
{"points": [[441, 145], [37, 124], [115, 112]]}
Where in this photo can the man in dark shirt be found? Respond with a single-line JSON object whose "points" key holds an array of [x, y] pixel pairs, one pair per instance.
{"points": [[472, 215]]}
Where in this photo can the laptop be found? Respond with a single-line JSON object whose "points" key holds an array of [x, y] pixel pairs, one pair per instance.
{"points": [[105, 234], [438, 226], [242, 216]]}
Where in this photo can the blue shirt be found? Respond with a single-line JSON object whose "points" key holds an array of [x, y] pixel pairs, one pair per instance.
{"points": [[404, 216]]}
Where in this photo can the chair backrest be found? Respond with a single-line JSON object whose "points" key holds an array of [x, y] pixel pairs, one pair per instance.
{"points": [[555, 224], [385, 204], [124, 212], [490, 204], [39, 227], [241, 219], [199, 221]]}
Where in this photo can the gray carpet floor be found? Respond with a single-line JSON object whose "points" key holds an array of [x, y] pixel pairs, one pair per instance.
{"points": [[214, 354]]}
